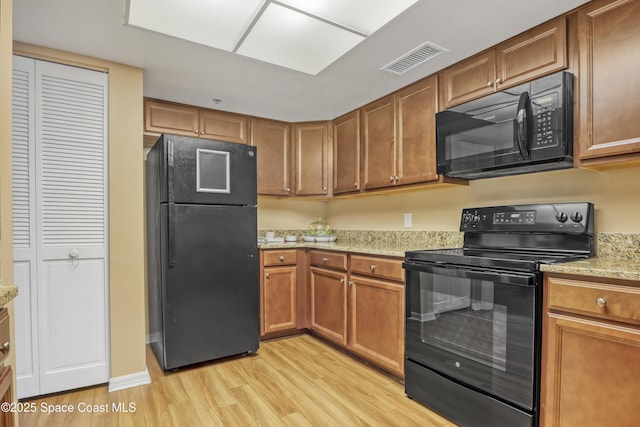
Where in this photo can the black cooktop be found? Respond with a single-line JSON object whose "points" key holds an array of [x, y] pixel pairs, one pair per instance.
{"points": [[506, 259], [519, 237]]}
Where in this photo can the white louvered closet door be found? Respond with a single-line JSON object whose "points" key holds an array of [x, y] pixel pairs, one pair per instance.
{"points": [[70, 225]]}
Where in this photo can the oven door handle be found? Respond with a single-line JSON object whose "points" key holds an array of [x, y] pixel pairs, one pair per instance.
{"points": [[506, 277]]}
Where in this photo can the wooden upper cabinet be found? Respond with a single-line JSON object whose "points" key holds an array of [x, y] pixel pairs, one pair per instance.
{"points": [[223, 126], [379, 143], [416, 143], [346, 153], [311, 148], [534, 53], [165, 117], [609, 36], [273, 156], [467, 80], [537, 52], [177, 119]]}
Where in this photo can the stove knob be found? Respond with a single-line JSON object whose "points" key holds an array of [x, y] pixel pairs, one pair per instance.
{"points": [[476, 219], [562, 217], [576, 217], [467, 218]]}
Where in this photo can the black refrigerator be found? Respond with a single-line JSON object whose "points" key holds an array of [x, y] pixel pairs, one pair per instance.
{"points": [[202, 250]]}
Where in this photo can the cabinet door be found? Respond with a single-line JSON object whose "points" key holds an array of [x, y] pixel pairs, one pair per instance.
{"points": [[609, 36], [165, 117], [223, 126], [590, 373], [311, 151], [272, 140], [467, 80], [417, 132], [346, 153], [6, 396], [379, 143], [329, 304], [534, 53], [279, 299], [376, 327]]}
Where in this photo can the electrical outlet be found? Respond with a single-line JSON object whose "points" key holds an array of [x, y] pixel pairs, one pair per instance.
{"points": [[408, 220]]}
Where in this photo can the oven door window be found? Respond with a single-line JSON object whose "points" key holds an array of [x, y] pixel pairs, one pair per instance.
{"points": [[476, 327]]}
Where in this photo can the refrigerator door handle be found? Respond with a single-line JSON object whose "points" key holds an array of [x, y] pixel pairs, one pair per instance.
{"points": [[172, 235], [170, 160]]}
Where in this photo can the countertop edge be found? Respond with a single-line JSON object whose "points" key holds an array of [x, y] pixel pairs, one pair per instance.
{"points": [[7, 294]]}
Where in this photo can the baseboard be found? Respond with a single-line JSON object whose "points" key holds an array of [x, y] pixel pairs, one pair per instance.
{"points": [[129, 381]]}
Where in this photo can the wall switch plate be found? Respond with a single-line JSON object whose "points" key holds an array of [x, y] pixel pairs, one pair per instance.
{"points": [[408, 220]]}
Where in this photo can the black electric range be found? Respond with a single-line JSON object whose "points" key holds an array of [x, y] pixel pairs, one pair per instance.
{"points": [[473, 314]]}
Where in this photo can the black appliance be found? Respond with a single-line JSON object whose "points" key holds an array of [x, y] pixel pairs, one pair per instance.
{"points": [[473, 314], [202, 250], [527, 128]]}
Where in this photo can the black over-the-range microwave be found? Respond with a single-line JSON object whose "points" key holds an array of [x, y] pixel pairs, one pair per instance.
{"points": [[526, 128]]}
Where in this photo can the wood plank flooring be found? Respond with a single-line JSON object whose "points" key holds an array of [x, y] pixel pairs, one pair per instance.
{"points": [[295, 381]]}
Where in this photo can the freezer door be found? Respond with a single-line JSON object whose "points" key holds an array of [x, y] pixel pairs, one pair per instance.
{"points": [[201, 171], [211, 290]]}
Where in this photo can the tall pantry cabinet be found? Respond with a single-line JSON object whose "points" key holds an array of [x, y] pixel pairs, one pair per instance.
{"points": [[60, 219]]}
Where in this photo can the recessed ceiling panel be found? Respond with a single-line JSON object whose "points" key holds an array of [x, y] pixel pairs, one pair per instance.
{"points": [[215, 23], [285, 37], [365, 16]]}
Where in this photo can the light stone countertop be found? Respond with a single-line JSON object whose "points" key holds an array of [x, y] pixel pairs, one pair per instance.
{"points": [[7, 293], [605, 267], [618, 253]]}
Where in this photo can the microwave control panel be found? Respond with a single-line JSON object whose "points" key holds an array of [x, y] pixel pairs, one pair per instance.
{"points": [[545, 112]]}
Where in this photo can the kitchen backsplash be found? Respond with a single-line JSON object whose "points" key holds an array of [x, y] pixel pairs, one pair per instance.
{"points": [[608, 245], [618, 245]]}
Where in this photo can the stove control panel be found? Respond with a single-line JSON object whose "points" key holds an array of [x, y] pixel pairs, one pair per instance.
{"points": [[550, 218]]}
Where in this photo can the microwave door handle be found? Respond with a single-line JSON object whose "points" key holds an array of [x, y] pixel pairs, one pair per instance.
{"points": [[524, 125]]}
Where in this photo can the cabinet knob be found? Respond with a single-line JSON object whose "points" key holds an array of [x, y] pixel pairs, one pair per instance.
{"points": [[601, 302], [391, 178], [498, 81], [4, 348], [395, 178], [267, 275], [350, 283], [288, 190], [355, 184], [324, 260], [196, 131], [281, 257], [372, 267], [489, 84], [324, 189], [342, 281]]}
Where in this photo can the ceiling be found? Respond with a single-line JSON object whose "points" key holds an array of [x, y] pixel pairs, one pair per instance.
{"points": [[190, 73]]}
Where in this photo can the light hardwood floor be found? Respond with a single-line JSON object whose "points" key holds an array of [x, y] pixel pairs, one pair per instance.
{"points": [[296, 381]]}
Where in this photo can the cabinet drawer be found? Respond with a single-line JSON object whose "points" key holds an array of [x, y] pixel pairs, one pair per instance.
{"points": [[335, 260], [279, 257], [377, 267], [606, 301], [4, 334]]}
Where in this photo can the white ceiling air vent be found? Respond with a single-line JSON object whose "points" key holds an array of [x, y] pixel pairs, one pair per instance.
{"points": [[413, 58]]}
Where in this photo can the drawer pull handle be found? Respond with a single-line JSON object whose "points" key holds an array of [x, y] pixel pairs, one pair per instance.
{"points": [[324, 260], [372, 267], [601, 302], [281, 257], [4, 348]]}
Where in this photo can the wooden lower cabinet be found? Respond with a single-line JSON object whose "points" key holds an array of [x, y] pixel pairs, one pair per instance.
{"points": [[279, 299], [329, 304], [376, 322], [278, 291], [591, 353], [6, 396]]}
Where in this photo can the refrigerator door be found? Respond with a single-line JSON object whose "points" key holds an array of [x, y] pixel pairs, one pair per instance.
{"points": [[201, 171], [211, 291]]}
